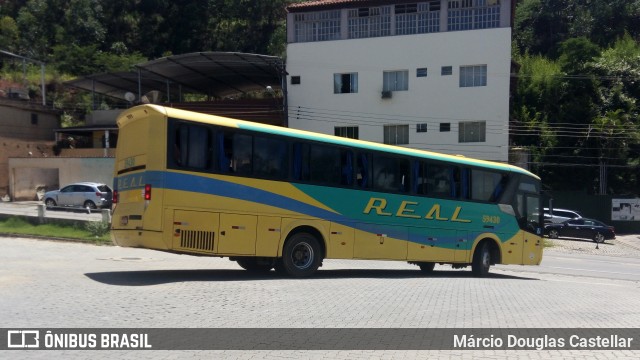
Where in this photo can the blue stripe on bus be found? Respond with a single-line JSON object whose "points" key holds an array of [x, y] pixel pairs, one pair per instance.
{"points": [[200, 184]]}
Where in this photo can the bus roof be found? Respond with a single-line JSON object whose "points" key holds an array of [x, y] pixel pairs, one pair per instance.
{"points": [[308, 135]]}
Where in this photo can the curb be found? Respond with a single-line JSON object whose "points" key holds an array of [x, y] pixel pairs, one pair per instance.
{"points": [[54, 238]]}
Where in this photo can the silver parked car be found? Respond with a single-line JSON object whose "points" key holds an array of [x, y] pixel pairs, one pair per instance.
{"points": [[558, 216], [88, 195]]}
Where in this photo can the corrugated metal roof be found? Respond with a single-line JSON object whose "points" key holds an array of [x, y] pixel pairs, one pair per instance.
{"points": [[216, 74], [314, 5]]}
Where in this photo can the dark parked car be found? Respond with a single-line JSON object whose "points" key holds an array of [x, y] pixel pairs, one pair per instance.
{"points": [[581, 228], [88, 195]]}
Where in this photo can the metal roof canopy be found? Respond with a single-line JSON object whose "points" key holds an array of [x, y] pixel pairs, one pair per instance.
{"points": [[215, 74]]}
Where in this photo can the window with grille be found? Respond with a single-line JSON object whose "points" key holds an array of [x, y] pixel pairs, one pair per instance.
{"points": [[350, 132], [396, 134], [345, 83], [369, 22], [395, 80], [472, 131], [473, 14], [475, 75], [317, 26]]}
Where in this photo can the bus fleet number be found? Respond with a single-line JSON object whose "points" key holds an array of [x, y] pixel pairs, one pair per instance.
{"points": [[491, 219]]}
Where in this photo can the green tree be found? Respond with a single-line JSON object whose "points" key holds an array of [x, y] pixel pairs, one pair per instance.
{"points": [[9, 34]]}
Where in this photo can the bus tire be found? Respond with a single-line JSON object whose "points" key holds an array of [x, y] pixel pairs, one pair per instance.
{"points": [[301, 255], [426, 267], [252, 265], [481, 260]]}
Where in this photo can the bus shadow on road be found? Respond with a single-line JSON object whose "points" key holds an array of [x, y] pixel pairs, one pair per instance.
{"points": [[158, 277]]}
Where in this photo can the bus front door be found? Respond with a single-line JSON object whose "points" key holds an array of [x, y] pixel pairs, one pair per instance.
{"points": [[532, 249]]}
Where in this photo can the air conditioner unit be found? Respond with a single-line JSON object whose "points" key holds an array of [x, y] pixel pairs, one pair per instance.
{"points": [[386, 94]]}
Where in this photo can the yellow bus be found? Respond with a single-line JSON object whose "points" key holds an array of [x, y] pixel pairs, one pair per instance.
{"points": [[272, 197]]}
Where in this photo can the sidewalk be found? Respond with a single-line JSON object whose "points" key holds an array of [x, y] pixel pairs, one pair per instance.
{"points": [[622, 245], [33, 209]]}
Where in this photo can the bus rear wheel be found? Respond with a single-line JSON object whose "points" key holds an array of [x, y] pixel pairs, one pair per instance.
{"points": [[481, 260], [301, 255], [253, 265]]}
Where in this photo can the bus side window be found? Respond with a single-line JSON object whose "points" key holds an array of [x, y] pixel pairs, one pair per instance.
{"points": [[300, 161], [486, 185], [270, 158], [346, 159], [178, 151], [325, 165], [242, 154], [391, 174], [439, 180], [235, 153], [463, 185], [224, 152], [363, 171], [192, 146], [418, 179]]}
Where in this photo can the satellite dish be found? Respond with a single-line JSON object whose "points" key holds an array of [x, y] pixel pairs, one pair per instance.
{"points": [[153, 96], [129, 96]]}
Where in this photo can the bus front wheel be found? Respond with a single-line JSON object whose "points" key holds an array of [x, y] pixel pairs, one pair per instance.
{"points": [[481, 260], [301, 255]]}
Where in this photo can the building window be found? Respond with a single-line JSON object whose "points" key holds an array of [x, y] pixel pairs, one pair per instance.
{"points": [[421, 128], [345, 83], [317, 26], [417, 18], [350, 132], [421, 72], [295, 80], [472, 131], [396, 134], [446, 70], [34, 119], [473, 75], [395, 80], [445, 127], [369, 22], [473, 14]]}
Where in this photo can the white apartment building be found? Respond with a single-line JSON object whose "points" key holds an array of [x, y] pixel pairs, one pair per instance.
{"points": [[432, 75]]}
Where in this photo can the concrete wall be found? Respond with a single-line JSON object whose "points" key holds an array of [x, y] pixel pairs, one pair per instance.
{"points": [[103, 117], [432, 100], [32, 183], [22, 187], [17, 148], [20, 120]]}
